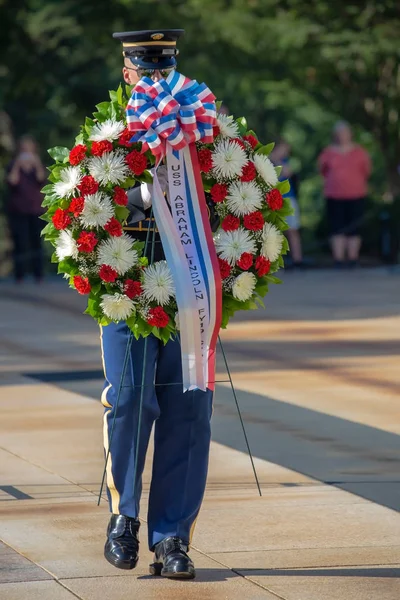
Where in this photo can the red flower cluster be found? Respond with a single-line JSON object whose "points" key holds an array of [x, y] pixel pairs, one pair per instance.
{"points": [[253, 141], [274, 200], [262, 266], [120, 196], [82, 284], [61, 219], [248, 172], [124, 138], [108, 274], [158, 317], [216, 130], [136, 161], [87, 241], [245, 261], [224, 268], [132, 289], [77, 154], [88, 185], [76, 206], [99, 148], [240, 142], [254, 221], [218, 192], [113, 227], [230, 223], [205, 160]]}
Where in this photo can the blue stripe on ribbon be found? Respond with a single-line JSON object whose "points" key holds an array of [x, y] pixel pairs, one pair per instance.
{"points": [[195, 231]]}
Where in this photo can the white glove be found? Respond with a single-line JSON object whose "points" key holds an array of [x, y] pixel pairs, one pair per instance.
{"points": [[146, 189]]}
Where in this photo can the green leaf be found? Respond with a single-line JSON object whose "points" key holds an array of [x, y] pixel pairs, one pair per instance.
{"points": [[58, 153], [47, 188], [283, 186], [278, 170], [218, 104], [262, 286], [114, 94], [49, 228], [266, 150], [122, 213], [89, 123], [120, 96], [242, 123], [145, 177], [128, 183], [104, 107], [273, 279]]}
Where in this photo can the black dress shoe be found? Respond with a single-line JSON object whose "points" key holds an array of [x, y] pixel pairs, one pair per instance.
{"points": [[171, 560], [122, 545]]}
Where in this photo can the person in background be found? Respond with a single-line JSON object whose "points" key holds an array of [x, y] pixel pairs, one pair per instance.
{"points": [[25, 177], [281, 156], [345, 167]]}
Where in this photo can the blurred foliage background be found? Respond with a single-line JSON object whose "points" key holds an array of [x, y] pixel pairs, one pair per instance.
{"points": [[292, 67]]}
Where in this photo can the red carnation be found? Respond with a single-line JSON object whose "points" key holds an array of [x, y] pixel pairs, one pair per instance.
{"points": [[87, 241], [218, 192], [205, 160], [158, 317], [113, 227], [262, 266], [224, 268], [245, 261], [136, 161], [77, 154], [124, 138], [132, 288], [61, 219], [216, 130], [248, 172], [82, 284], [240, 142], [99, 148], [120, 196], [76, 206], [230, 223], [274, 200], [253, 141], [88, 185], [108, 274], [254, 221]]}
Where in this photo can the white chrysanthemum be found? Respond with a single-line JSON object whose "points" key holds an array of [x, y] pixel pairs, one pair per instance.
{"points": [[227, 126], [70, 178], [97, 210], [117, 252], [230, 245], [108, 168], [272, 240], [66, 245], [108, 130], [243, 286], [158, 284], [266, 169], [244, 197], [228, 159], [117, 306]]}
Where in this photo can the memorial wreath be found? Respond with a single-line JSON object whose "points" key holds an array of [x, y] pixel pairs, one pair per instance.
{"points": [[86, 207]]}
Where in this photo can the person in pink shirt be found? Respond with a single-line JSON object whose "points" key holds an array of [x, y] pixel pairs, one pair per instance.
{"points": [[345, 167]]}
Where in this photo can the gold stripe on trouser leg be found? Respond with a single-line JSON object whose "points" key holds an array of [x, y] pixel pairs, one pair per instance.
{"points": [[115, 497], [192, 527]]}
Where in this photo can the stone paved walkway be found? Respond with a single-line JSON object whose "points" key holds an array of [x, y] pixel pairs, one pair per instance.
{"points": [[317, 375]]}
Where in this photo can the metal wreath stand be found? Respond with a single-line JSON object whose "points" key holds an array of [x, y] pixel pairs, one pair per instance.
{"points": [[142, 386]]}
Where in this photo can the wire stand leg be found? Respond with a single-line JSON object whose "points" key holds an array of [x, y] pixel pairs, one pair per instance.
{"points": [[124, 368], [240, 416]]}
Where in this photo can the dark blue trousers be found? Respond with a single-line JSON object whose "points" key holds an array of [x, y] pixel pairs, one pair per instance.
{"points": [[181, 436]]}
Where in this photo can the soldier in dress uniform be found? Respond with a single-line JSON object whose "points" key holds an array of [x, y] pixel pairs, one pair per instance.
{"points": [[182, 420]]}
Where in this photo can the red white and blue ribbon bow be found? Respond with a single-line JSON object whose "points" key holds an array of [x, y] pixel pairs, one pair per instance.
{"points": [[168, 117]]}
